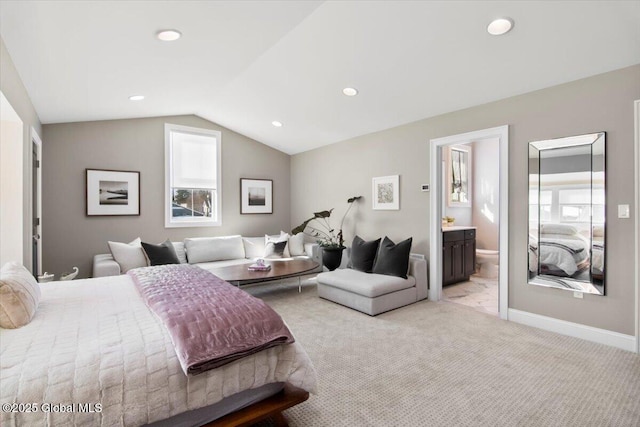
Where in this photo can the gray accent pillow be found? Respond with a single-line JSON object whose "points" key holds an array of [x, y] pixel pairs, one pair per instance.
{"points": [[161, 254], [275, 249], [392, 259], [363, 254]]}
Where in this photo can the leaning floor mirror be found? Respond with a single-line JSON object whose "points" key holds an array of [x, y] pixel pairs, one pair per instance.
{"points": [[567, 207]]}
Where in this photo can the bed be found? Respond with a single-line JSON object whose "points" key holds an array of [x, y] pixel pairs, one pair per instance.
{"points": [[560, 251], [96, 351]]}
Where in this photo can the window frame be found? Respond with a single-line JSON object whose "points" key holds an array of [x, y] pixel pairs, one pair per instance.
{"points": [[169, 222]]}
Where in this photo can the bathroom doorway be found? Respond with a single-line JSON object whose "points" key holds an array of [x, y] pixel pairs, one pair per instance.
{"points": [[469, 224]]}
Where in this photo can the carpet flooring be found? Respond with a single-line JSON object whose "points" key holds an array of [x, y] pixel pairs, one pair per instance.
{"points": [[443, 364]]}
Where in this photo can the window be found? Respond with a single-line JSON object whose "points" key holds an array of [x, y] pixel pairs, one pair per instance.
{"points": [[192, 177]]}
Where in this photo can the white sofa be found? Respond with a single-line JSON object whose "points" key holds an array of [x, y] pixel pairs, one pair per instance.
{"points": [[375, 293], [210, 252]]}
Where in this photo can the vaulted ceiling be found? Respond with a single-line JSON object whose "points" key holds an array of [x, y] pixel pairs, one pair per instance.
{"points": [[244, 64]]}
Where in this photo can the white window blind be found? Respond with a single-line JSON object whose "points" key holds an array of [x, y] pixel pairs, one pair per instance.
{"points": [[194, 161], [192, 177]]}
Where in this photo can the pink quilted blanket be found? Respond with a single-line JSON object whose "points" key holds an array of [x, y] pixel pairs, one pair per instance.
{"points": [[211, 322]]}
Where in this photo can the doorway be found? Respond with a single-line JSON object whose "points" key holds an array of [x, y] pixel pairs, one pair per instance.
{"points": [[438, 202], [36, 203]]}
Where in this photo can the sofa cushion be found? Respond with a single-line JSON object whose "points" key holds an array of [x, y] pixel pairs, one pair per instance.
{"points": [[207, 249], [225, 263], [253, 247], [274, 249], [363, 254], [393, 259], [128, 255], [161, 254], [19, 296], [366, 284], [296, 245]]}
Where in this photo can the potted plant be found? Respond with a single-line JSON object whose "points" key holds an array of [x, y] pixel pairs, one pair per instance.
{"points": [[330, 240]]}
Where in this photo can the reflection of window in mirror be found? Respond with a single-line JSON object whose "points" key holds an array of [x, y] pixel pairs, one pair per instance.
{"points": [[459, 176]]}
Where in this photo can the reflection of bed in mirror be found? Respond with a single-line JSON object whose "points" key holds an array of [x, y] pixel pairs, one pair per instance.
{"points": [[562, 251], [567, 213]]}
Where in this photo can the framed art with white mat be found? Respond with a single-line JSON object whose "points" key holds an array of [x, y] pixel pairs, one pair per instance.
{"points": [[256, 196], [112, 192], [386, 193]]}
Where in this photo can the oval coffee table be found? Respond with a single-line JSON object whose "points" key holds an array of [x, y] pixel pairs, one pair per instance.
{"points": [[280, 269]]}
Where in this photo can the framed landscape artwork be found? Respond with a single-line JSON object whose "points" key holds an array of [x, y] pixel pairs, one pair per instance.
{"points": [[110, 192], [386, 193], [256, 196]]}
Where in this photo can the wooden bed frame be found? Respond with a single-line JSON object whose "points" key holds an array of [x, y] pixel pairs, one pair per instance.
{"points": [[269, 408]]}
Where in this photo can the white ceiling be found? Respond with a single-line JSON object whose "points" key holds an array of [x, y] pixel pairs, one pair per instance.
{"points": [[244, 64]]}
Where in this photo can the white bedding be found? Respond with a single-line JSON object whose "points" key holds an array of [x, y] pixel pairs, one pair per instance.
{"points": [[95, 341], [571, 252]]}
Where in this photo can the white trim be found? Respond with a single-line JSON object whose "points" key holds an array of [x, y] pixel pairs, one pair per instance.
{"points": [[435, 246], [576, 330], [168, 128], [637, 218], [35, 139]]}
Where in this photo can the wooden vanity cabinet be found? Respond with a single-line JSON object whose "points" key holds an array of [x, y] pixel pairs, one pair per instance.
{"points": [[458, 255]]}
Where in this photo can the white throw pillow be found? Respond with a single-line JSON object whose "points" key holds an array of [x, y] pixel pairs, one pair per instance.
{"points": [[296, 245], [128, 255], [283, 237], [253, 247], [19, 296], [208, 249], [182, 255]]}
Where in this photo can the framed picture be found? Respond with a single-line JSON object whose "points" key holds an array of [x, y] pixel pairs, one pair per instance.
{"points": [[386, 193], [112, 192], [458, 176], [256, 196]]}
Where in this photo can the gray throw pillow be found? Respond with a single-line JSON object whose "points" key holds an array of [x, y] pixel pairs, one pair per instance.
{"points": [[275, 249], [392, 259], [161, 254], [363, 254]]}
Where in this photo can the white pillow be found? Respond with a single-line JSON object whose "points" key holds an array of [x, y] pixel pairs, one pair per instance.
{"points": [[182, 255], [296, 244], [253, 247], [283, 237], [208, 249], [128, 255], [566, 229], [19, 296]]}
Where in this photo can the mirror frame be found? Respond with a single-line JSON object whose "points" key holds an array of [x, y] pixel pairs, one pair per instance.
{"points": [[595, 283]]}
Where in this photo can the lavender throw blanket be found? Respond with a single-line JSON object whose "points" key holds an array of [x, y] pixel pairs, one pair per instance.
{"points": [[211, 322]]}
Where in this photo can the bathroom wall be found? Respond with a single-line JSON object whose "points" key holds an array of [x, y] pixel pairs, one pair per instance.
{"points": [[485, 204]]}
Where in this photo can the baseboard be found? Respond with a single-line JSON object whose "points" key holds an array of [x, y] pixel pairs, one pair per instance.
{"points": [[576, 330]]}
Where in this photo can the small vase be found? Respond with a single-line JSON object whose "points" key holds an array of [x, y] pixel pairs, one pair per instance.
{"points": [[332, 257]]}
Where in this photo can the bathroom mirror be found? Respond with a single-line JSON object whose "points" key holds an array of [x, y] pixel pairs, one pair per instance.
{"points": [[567, 213], [459, 176]]}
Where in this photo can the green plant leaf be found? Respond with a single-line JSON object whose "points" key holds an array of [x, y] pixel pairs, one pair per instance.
{"points": [[323, 214], [353, 199]]}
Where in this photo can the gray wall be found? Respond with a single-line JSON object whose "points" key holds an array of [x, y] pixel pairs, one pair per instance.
{"points": [[325, 177], [138, 145], [13, 89], [486, 193]]}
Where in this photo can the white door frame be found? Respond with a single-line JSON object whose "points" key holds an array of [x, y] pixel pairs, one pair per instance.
{"points": [[435, 246], [637, 218], [35, 139]]}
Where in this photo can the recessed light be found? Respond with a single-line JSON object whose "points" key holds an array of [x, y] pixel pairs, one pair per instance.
{"points": [[349, 91], [277, 123], [168, 35], [500, 26], [136, 97]]}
